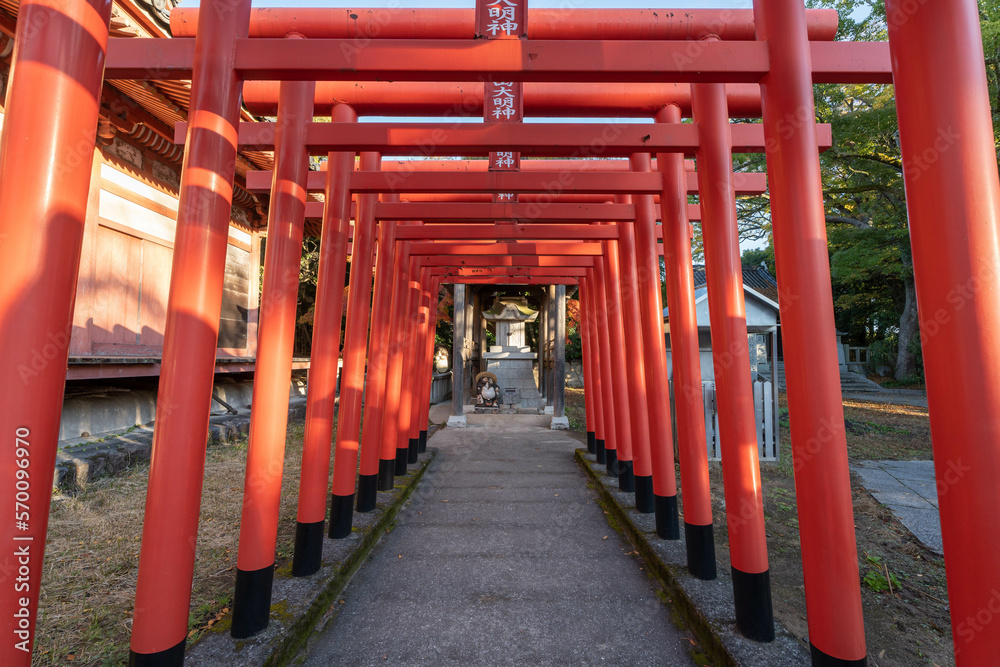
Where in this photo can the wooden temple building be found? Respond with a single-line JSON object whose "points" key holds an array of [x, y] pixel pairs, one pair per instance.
{"points": [[128, 241]]}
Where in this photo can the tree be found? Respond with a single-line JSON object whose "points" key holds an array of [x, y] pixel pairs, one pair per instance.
{"points": [[870, 261], [758, 256]]}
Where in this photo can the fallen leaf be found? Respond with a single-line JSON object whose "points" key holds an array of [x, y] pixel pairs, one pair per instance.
{"points": [[605, 537]]}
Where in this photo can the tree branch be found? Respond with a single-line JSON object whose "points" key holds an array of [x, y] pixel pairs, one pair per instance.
{"points": [[854, 222], [895, 164]]}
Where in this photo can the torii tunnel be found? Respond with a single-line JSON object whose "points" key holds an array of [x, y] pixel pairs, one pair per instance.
{"points": [[583, 220]]}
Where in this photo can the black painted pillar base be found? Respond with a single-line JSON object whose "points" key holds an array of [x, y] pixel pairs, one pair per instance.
{"points": [[611, 461], [308, 554], [171, 657], [644, 494], [252, 601], [752, 598], [401, 454], [601, 454], [385, 474], [413, 451], [821, 659], [367, 492], [626, 478], [667, 522], [700, 544], [591, 442], [423, 442], [341, 516]]}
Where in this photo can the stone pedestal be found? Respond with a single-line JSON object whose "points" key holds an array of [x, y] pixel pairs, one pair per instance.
{"points": [[560, 424], [514, 370]]}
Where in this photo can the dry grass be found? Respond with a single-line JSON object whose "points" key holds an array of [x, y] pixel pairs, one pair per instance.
{"points": [[92, 556], [881, 431]]}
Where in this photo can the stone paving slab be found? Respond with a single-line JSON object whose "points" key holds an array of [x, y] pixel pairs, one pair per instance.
{"points": [[707, 605], [519, 577], [909, 489]]}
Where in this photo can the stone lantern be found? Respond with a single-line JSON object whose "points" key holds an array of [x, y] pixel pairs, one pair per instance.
{"points": [[510, 360]]}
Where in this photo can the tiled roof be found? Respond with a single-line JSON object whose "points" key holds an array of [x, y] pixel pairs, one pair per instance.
{"points": [[756, 278]]}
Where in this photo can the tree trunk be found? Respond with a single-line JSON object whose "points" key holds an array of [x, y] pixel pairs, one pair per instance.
{"points": [[906, 360]]}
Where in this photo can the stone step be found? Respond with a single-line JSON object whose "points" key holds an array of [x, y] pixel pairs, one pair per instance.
{"points": [[850, 382]]}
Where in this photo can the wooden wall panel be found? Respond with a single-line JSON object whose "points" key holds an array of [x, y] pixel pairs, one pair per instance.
{"points": [[118, 272], [124, 281], [156, 263], [80, 343], [234, 322]]}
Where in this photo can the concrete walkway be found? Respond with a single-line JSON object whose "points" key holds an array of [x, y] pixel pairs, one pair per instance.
{"points": [[502, 557], [909, 489]]}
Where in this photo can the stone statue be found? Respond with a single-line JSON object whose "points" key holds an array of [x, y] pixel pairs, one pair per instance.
{"points": [[488, 394], [442, 363]]}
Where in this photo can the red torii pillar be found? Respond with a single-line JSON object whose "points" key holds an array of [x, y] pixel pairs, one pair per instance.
{"points": [[598, 301], [409, 435], [173, 496], [661, 444], [323, 367], [588, 378], [815, 403], [953, 201], [352, 378], [376, 472], [689, 407], [46, 165], [607, 273], [624, 265], [419, 362], [600, 379], [597, 381], [389, 457], [273, 374], [428, 368], [730, 352]]}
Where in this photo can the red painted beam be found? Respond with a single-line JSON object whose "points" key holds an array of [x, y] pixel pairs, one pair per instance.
{"points": [[569, 178], [554, 248], [502, 181], [506, 231], [463, 212], [314, 209], [542, 139], [505, 260], [659, 251], [398, 23], [515, 280], [513, 60], [437, 98], [533, 271]]}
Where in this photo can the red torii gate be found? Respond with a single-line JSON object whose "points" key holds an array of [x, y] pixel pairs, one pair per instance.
{"points": [[935, 43]]}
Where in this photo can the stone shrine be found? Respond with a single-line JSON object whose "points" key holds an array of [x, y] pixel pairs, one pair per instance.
{"points": [[511, 360]]}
